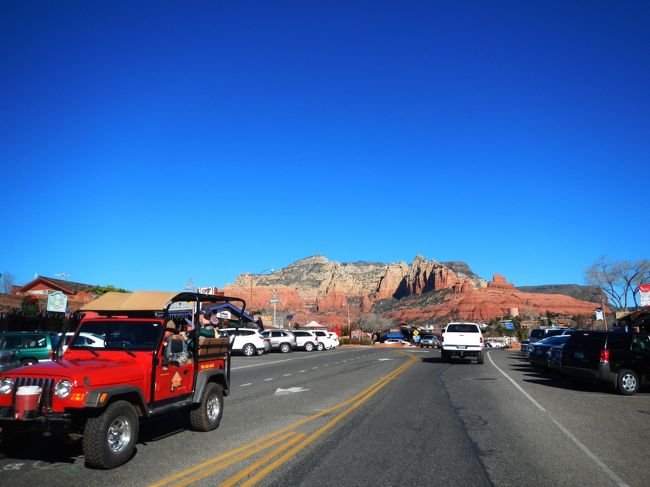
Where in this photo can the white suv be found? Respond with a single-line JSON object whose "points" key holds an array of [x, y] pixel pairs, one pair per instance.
{"points": [[324, 340], [305, 340], [247, 341]]}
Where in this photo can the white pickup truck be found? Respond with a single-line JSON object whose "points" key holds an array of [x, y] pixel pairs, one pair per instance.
{"points": [[462, 340]]}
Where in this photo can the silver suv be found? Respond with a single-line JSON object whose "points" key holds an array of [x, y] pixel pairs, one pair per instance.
{"points": [[282, 340], [306, 340]]}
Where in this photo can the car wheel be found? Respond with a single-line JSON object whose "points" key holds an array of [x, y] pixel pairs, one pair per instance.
{"points": [[627, 382], [29, 361], [248, 350], [285, 348], [479, 358], [109, 439], [309, 347], [320, 347], [260, 351], [207, 416]]}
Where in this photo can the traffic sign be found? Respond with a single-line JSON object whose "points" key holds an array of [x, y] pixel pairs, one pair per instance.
{"points": [[274, 300]]}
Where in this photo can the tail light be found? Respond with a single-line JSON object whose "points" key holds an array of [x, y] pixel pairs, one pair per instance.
{"points": [[481, 339], [604, 356]]}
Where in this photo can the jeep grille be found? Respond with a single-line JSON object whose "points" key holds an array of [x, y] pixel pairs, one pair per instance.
{"points": [[46, 384]]}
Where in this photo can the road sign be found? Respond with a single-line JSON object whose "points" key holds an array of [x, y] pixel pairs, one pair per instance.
{"points": [[415, 333], [274, 300], [510, 326]]}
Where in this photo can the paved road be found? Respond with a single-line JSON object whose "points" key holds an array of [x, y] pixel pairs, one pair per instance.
{"points": [[378, 417]]}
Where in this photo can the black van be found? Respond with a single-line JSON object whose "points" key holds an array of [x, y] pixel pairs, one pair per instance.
{"points": [[616, 358]]}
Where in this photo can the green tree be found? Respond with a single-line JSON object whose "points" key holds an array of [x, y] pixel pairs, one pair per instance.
{"points": [[101, 290]]}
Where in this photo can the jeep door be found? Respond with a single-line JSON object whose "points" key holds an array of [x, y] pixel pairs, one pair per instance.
{"points": [[173, 377]]}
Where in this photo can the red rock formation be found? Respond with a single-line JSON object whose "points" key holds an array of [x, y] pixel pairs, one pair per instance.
{"points": [[498, 281]]}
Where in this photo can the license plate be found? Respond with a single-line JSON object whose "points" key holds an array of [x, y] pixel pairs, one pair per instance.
{"points": [[579, 355], [461, 347]]}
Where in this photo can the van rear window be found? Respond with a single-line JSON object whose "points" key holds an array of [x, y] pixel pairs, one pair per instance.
{"points": [[463, 328]]}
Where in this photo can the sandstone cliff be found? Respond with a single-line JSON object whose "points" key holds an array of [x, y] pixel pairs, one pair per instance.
{"points": [[333, 292]]}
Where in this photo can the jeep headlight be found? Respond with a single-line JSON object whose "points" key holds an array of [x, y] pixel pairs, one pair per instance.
{"points": [[63, 389], [6, 385]]}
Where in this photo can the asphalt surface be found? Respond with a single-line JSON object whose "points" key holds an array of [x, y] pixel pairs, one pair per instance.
{"points": [[380, 417]]}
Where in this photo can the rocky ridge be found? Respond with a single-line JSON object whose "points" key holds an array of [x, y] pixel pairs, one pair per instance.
{"points": [[329, 291]]}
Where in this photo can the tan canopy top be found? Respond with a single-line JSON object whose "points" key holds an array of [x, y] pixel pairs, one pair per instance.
{"points": [[136, 301]]}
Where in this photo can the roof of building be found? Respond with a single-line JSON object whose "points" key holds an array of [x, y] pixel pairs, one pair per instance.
{"points": [[67, 287]]}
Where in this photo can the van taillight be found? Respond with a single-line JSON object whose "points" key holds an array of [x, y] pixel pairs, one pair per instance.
{"points": [[604, 356]]}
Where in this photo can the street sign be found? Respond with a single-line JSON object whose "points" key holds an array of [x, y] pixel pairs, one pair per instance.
{"points": [[599, 313], [644, 294], [274, 300], [510, 326], [57, 302]]}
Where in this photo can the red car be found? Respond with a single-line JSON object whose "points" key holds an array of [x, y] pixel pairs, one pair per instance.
{"points": [[144, 369]]}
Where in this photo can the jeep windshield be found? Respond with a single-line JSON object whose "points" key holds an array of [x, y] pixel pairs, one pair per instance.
{"points": [[121, 335]]}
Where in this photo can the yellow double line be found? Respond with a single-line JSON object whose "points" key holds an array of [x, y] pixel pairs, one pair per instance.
{"points": [[291, 443]]}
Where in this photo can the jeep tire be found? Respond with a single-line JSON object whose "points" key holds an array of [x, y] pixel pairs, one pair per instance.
{"points": [[206, 416], [479, 357], [109, 439]]}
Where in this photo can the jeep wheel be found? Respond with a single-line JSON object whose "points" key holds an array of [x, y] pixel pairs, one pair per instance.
{"points": [[248, 350], [627, 382], [207, 415], [309, 347], [479, 358], [320, 346], [285, 347], [109, 439]]}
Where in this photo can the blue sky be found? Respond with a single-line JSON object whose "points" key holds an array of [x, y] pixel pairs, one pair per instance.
{"points": [[146, 143]]}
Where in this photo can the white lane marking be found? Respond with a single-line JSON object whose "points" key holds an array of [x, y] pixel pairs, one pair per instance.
{"points": [[610, 473], [314, 356], [301, 371], [266, 380], [290, 390], [314, 368], [247, 384], [286, 375], [385, 359]]}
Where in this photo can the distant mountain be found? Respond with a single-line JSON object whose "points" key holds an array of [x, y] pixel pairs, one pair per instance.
{"points": [[584, 293]]}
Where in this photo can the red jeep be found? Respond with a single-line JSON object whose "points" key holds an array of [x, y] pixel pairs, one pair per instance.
{"points": [[145, 368]]}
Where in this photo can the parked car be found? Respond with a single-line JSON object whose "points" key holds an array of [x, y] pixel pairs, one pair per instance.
{"points": [[8, 360], [429, 341], [539, 351], [305, 340], [494, 344], [619, 359], [335, 339], [324, 340], [396, 341], [29, 346], [83, 339], [282, 340], [554, 362], [538, 334], [247, 341]]}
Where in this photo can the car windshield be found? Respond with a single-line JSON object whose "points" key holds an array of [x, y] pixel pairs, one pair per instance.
{"points": [[122, 334]]}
